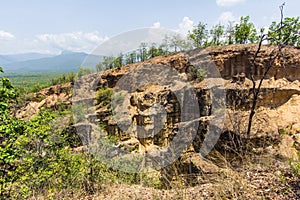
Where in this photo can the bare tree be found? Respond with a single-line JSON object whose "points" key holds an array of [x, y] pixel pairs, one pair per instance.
{"points": [[274, 55]]}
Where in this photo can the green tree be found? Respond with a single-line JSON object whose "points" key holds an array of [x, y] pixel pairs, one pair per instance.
{"points": [[199, 35], [100, 67], [230, 33], [131, 57], [165, 46], [8, 134], [217, 33], [7, 92], [108, 62], [161, 50], [153, 51], [289, 34], [245, 32], [64, 78], [177, 43], [143, 53], [118, 61], [84, 71]]}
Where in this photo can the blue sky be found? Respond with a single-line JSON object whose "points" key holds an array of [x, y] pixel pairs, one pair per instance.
{"points": [[50, 26]]}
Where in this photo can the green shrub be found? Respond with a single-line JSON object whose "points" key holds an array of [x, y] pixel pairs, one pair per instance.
{"points": [[197, 73], [103, 96]]}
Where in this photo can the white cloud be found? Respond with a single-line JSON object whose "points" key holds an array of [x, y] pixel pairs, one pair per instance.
{"points": [[75, 41], [185, 25], [226, 17], [228, 3], [156, 25], [6, 35]]}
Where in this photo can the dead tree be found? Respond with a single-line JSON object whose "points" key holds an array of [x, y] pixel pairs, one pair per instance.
{"points": [[274, 55]]}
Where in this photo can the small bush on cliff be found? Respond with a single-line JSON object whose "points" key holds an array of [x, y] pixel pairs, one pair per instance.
{"points": [[196, 73], [103, 96]]}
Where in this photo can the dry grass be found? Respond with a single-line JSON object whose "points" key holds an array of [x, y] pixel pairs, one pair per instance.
{"points": [[260, 177]]}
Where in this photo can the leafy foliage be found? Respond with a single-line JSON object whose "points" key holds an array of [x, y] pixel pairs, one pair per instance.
{"points": [[65, 78], [36, 156], [7, 93], [27, 80], [103, 96], [245, 32], [217, 32], [197, 73], [83, 71], [242, 32], [199, 35], [287, 33]]}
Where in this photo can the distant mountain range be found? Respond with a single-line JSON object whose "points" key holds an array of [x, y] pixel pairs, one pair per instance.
{"points": [[35, 62]]}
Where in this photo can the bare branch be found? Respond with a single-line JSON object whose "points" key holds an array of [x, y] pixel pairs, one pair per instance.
{"points": [[272, 58]]}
